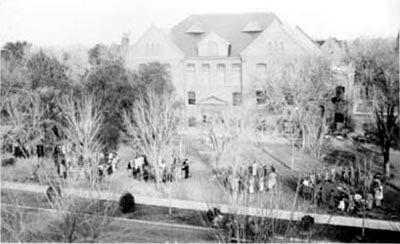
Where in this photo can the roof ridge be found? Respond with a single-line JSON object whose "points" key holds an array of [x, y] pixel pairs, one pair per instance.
{"points": [[236, 13]]}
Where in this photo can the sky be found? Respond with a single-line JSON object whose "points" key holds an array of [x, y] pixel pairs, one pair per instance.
{"points": [[87, 22]]}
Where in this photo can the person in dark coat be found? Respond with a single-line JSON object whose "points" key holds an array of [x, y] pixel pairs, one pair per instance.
{"points": [[185, 168]]}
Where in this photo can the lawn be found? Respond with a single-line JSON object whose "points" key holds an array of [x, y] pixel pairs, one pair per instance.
{"points": [[202, 186]]}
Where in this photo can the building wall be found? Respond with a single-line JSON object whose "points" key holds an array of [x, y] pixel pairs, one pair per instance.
{"points": [[276, 48], [215, 86]]}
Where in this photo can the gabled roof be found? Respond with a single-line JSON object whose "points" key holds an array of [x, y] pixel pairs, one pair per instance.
{"points": [[214, 36], [227, 26], [305, 34], [164, 36]]}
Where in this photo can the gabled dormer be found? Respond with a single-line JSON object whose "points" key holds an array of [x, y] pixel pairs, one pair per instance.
{"points": [[196, 28], [213, 45], [252, 27]]}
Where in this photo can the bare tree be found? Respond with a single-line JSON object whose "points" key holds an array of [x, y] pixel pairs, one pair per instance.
{"points": [[234, 125], [377, 69], [24, 121], [152, 123], [299, 92], [82, 119]]}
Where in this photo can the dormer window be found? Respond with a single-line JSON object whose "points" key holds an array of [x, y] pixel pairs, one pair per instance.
{"points": [[252, 26], [213, 45], [196, 28]]}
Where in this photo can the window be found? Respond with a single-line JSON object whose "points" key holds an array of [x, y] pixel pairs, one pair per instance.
{"points": [[192, 122], [204, 118], [236, 98], [261, 98], [152, 48], [221, 73], [236, 73], [261, 70], [191, 73], [212, 49], [205, 70], [191, 97]]}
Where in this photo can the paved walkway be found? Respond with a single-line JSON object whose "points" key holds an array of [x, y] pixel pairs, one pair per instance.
{"points": [[203, 206]]}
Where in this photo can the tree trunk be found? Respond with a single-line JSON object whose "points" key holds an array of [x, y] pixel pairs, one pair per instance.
{"points": [[386, 162]]}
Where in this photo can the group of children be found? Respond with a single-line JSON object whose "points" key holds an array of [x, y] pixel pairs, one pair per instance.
{"points": [[140, 169], [254, 178], [344, 188]]}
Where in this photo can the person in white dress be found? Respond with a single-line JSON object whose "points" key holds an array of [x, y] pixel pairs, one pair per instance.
{"points": [[271, 183]]}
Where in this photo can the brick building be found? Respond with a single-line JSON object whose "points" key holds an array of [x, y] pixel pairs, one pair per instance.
{"points": [[215, 59]]}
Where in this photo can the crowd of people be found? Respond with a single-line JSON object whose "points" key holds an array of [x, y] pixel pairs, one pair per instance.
{"points": [[345, 189], [108, 164], [65, 159], [254, 178], [140, 169]]}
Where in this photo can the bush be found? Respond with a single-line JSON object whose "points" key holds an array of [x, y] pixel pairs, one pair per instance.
{"points": [[307, 222], [127, 203], [7, 161]]}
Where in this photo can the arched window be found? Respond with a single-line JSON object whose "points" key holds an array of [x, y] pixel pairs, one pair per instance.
{"points": [[212, 49]]}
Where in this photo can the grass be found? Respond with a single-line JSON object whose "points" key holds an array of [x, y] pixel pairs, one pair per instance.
{"points": [[202, 186]]}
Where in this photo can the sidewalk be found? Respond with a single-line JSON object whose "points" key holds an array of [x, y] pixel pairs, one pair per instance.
{"points": [[203, 206]]}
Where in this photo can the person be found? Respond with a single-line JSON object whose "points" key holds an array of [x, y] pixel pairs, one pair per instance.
{"points": [[64, 169], [271, 183], [333, 174], [351, 204], [306, 190], [261, 183], [114, 162], [313, 180], [341, 205], [163, 170], [327, 176], [251, 184], [378, 195], [185, 168], [130, 169], [377, 189], [370, 201], [100, 170], [145, 173], [254, 168], [138, 167]]}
